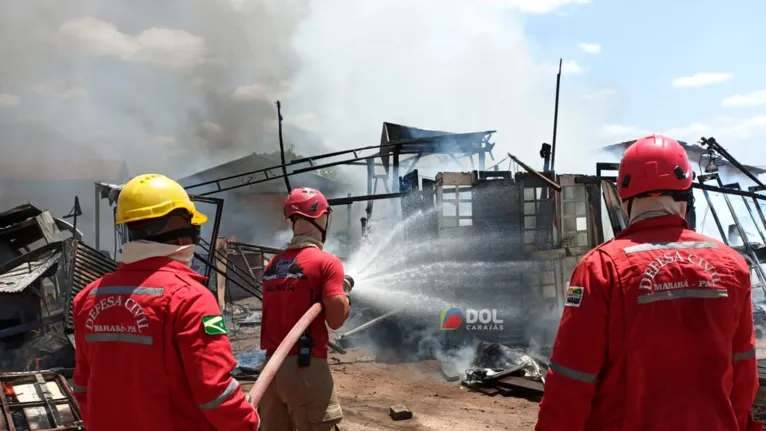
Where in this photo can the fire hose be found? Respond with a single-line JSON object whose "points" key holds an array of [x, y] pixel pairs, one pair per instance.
{"points": [[268, 372]]}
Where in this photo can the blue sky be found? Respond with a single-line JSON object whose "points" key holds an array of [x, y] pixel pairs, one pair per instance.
{"points": [[645, 45]]}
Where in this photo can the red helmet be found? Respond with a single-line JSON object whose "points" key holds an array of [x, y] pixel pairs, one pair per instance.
{"points": [[306, 202], [655, 163]]}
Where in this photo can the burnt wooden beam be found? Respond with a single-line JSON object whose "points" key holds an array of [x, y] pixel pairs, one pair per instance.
{"points": [[552, 184]]}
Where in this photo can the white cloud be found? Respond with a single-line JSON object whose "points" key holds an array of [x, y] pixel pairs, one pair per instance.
{"points": [[571, 68], [618, 131], [161, 46], [589, 48], [568, 67], [742, 128], [251, 92], [701, 79], [8, 100], [756, 98], [691, 133], [535, 6], [727, 130]]}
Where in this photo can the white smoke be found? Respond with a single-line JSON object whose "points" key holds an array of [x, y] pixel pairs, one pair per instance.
{"points": [[452, 65], [180, 85]]}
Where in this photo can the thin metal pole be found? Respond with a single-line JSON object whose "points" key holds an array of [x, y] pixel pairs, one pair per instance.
{"points": [[97, 225], [556, 116], [282, 147]]}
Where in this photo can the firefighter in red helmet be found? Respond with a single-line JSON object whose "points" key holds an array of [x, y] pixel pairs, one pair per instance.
{"points": [[657, 329], [302, 395]]}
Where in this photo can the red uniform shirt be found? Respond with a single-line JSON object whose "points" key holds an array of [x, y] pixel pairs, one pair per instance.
{"points": [[152, 353], [293, 281], [657, 334]]}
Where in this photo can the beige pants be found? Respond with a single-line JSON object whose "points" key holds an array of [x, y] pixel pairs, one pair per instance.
{"points": [[301, 399]]}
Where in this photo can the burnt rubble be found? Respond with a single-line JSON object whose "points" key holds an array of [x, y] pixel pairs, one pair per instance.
{"points": [[42, 267], [38, 400], [500, 369]]}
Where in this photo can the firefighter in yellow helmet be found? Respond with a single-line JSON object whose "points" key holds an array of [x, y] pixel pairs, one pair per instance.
{"points": [[150, 338]]}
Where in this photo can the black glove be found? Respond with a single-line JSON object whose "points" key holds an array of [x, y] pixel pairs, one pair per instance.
{"points": [[348, 283]]}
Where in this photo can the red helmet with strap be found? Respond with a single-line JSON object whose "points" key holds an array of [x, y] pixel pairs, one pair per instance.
{"points": [[306, 202], [653, 165]]}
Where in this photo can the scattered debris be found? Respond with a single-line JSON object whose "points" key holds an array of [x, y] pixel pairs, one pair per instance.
{"points": [[38, 401], [32, 290], [399, 412], [500, 369], [249, 363], [253, 318], [449, 371]]}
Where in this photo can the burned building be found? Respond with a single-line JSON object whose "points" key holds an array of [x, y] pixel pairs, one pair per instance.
{"points": [[53, 186], [31, 292], [537, 226]]}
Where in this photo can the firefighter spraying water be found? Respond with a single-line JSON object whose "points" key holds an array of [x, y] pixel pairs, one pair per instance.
{"points": [[303, 287]]}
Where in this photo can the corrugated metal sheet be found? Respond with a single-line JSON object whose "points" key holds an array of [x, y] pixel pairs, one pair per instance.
{"points": [[84, 266], [24, 274]]}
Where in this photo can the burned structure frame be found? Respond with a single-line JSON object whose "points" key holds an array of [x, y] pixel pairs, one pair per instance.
{"points": [[401, 149]]}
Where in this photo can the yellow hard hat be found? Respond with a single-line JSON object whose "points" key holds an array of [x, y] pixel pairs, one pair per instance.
{"points": [[152, 196]]}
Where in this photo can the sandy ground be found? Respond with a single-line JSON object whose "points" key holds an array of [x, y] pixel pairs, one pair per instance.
{"points": [[367, 389]]}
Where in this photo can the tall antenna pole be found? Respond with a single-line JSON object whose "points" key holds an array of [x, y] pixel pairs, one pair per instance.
{"points": [[282, 146], [556, 117]]}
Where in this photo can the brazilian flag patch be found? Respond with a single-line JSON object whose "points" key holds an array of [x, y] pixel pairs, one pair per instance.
{"points": [[214, 325], [574, 296]]}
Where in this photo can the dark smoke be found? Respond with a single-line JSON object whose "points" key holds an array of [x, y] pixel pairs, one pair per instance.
{"points": [[146, 81], [174, 87]]}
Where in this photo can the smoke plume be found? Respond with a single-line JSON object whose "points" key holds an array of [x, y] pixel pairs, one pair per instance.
{"points": [[178, 86]]}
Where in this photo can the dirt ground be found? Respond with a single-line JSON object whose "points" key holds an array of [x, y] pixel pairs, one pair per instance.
{"points": [[367, 389]]}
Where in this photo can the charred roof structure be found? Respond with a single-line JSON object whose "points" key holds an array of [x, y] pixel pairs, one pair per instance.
{"points": [[30, 254], [257, 161], [400, 150]]}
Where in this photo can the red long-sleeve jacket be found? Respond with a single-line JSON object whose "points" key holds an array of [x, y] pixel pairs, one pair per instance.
{"points": [[152, 354], [657, 334]]}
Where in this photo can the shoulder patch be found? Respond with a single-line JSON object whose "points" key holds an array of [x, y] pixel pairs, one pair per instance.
{"points": [[214, 325], [574, 296]]}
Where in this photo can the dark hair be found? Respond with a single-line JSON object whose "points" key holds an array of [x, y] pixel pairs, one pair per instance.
{"points": [[156, 229]]}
